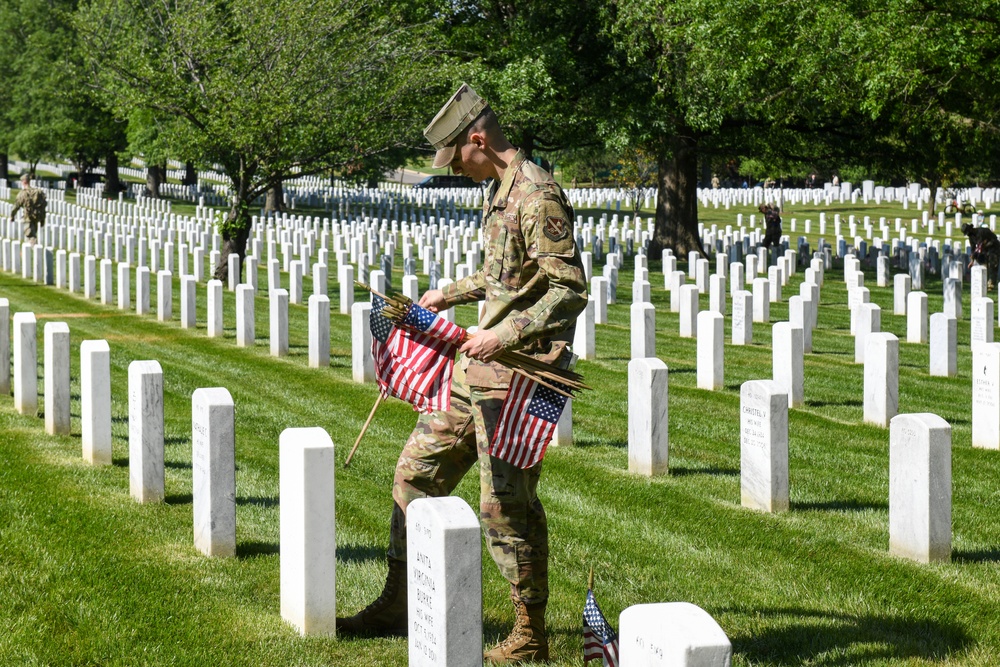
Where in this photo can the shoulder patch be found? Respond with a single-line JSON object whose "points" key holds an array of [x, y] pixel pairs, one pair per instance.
{"points": [[555, 228]]}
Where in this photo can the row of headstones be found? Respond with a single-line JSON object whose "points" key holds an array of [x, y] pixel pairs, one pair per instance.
{"points": [[919, 451], [445, 592]]}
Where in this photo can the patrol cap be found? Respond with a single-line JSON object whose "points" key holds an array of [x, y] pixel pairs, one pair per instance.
{"points": [[456, 115]]}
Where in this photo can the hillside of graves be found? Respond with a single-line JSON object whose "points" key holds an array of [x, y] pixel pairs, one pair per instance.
{"points": [[94, 577]]}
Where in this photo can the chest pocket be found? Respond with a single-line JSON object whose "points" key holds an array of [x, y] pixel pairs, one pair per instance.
{"points": [[495, 259]]}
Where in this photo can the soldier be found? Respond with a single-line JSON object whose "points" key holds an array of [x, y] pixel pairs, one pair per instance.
{"points": [[985, 250], [32, 200], [534, 286], [772, 221]]}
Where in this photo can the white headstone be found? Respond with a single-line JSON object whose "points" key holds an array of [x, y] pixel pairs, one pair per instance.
{"points": [[124, 291], [444, 579], [107, 285], [798, 315], [345, 276], [142, 290], [881, 401], [362, 363], [5, 347], [944, 346], [869, 321], [599, 295], [901, 291], [643, 330], [95, 401], [188, 304], [761, 305], [215, 328], [145, 431], [916, 317], [671, 634], [57, 394], [787, 361], [920, 487], [308, 529], [689, 311], [319, 331], [584, 342], [742, 324], [246, 325], [164, 296], [986, 395], [213, 470], [279, 322], [764, 446], [295, 279], [710, 350], [648, 443], [981, 321]]}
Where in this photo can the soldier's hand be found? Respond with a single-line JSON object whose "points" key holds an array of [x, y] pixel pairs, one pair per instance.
{"points": [[483, 346], [433, 300]]}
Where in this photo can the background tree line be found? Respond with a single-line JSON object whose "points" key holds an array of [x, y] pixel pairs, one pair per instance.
{"points": [[895, 89]]}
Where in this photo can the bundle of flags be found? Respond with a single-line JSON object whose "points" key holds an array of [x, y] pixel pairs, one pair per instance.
{"points": [[414, 362], [414, 357], [600, 642]]}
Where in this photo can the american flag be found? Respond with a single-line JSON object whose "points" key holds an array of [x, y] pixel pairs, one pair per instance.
{"points": [[413, 362], [599, 639], [527, 422]]}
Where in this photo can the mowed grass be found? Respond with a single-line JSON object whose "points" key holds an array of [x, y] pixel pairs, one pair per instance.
{"points": [[93, 578]]}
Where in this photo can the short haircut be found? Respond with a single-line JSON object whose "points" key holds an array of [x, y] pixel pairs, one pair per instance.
{"points": [[25, 177]]}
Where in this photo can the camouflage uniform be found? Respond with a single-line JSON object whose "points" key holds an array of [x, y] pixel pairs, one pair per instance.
{"points": [[32, 200], [534, 286]]}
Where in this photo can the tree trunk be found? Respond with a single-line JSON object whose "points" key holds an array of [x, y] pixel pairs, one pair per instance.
{"points": [[154, 177], [234, 239], [934, 184], [112, 182], [190, 175], [4, 169], [275, 200], [677, 199]]}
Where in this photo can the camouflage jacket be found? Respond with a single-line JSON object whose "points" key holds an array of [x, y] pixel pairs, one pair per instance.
{"points": [[32, 200], [532, 276]]}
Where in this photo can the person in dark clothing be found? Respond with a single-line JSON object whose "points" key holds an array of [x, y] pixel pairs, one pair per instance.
{"points": [[985, 250], [772, 232]]}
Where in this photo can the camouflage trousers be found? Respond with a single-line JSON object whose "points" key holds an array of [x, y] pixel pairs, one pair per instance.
{"points": [[444, 445], [31, 232]]}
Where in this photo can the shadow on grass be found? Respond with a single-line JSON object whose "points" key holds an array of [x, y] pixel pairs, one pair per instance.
{"points": [[680, 471], [258, 501], [179, 498], [359, 553], [833, 639], [177, 465], [979, 556], [839, 505], [617, 444], [255, 549], [848, 403], [177, 440]]}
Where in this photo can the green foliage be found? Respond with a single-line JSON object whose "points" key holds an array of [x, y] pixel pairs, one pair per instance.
{"points": [[267, 90]]}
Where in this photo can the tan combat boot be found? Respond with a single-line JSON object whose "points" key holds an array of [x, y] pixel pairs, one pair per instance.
{"points": [[386, 616], [527, 641]]}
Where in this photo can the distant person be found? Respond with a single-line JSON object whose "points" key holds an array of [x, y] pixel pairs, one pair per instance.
{"points": [[772, 222], [32, 200], [836, 181], [715, 181], [985, 250]]}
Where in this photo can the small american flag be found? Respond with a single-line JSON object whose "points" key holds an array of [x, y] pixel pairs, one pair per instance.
{"points": [[599, 639], [527, 422], [413, 362]]}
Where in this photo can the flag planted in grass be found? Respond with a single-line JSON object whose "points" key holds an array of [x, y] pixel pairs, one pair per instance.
{"points": [[414, 362], [527, 422], [600, 642]]}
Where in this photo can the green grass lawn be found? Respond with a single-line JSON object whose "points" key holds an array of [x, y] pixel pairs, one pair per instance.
{"points": [[93, 578]]}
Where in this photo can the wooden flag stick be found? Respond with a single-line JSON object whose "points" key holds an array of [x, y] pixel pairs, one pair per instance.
{"points": [[590, 581], [378, 402]]}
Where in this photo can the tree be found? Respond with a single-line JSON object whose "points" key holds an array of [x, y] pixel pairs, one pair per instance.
{"points": [[267, 90]]}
